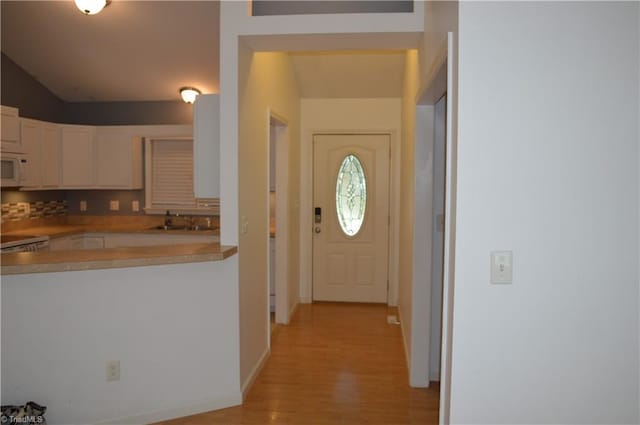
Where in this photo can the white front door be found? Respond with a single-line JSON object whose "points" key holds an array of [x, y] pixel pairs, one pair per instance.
{"points": [[351, 217]]}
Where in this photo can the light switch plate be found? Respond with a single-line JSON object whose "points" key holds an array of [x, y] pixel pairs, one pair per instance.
{"points": [[244, 223], [502, 267], [114, 205], [83, 206], [135, 206]]}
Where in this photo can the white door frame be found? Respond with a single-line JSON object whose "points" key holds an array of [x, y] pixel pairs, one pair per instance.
{"points": [[306, 210], [443, 80], [282, 218]]}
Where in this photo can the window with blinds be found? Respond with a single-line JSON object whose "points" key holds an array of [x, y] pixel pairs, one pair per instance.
{"points": [[169, 178], [172, 173]]}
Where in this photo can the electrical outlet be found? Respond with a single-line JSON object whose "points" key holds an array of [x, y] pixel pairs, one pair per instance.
{"points": [[114, 205], [83, 206], [135, 206], [113, 370]]}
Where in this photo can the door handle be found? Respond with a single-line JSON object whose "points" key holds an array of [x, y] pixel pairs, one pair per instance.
{"points": [[317, 229]]}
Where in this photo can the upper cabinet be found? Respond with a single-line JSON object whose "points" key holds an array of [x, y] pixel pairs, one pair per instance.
{"points": [[41, 144], [77, 166], [50, 163], [118, 159], [65, 156], [206, 146], [31, 138], [100, 158], [10, 129]]}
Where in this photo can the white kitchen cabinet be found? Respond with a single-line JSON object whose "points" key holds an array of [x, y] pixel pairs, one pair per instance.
{"points": [[93, 242], [41, 144], [118, 159], [66, 243], [77, 157], [31, 139], [10, 129], [50, 160], [206, 146], [118, 240]]}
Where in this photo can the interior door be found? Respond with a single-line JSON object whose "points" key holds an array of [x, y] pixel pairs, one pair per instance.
{"points": [[351, 217]]}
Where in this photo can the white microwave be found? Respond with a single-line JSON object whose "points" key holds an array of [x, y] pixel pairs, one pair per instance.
{"points": [[13, 169]]}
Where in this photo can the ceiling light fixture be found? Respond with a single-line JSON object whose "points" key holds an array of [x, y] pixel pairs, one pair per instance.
{"points": [[189, 94], [91, 7]]}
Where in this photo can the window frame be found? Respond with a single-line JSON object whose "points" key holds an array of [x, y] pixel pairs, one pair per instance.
{"points": [[200, 206]]}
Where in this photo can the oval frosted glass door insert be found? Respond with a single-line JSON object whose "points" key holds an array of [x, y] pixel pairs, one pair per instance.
{"points": [[351, 195]]}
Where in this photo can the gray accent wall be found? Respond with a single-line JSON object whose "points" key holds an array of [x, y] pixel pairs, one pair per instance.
{"points": [[316, 7], [98, 201], [20, 90], [128, 113]]}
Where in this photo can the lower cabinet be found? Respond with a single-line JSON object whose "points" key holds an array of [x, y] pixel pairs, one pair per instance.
{"points": [[122, 240], [75, 242]]}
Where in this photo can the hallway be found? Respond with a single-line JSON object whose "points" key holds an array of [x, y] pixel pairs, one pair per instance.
{"points": [[333, 364]]}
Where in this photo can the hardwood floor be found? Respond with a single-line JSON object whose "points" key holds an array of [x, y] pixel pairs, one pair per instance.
{"points": [[333, 364]]}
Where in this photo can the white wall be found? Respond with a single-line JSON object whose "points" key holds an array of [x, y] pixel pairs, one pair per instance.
{"points": [[407, 182], [173, 328], [437, 247], [239, 33], [345, 115], [547, 168], [267, 83]]}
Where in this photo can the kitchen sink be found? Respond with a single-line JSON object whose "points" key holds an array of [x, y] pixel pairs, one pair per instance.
{"points": [[195, 228]]}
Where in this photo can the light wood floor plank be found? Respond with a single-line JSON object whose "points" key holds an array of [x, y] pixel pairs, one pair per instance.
{"points": [[333, 364]]}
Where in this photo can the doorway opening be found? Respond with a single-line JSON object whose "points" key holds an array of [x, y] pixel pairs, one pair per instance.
{"points": [[277, 224]]}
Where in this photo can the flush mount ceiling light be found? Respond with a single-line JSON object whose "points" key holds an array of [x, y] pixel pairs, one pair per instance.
{"points": [[91, 7], [189, 94]]}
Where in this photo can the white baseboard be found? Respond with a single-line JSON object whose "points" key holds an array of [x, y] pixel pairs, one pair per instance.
{"points": [[407, 353], [221, 402], [246, 385], [292, 310]]}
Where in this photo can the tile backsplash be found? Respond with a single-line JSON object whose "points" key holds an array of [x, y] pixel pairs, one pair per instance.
{"points": [[14, 211]]}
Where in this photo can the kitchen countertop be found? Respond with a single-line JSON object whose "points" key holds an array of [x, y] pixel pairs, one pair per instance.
{"points": [[56, 231], [106, 258]]}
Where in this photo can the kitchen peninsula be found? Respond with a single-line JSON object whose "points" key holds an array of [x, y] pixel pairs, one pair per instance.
{"points": [[162, 312]]}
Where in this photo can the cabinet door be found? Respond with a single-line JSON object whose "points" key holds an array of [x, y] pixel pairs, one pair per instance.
{"points": [[77, 157], [31, 132], [93, 242], [10, 129], [50, 156], [206, 146], [64, 243], [118, 162]]}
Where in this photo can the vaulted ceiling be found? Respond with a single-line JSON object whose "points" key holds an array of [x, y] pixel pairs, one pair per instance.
{"points": [[147, 50]]}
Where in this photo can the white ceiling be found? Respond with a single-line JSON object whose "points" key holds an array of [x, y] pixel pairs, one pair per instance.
{"points": [[131, 51], [147, 50]]}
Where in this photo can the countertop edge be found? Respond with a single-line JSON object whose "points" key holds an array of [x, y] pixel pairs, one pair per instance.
{"points": [[136, 260]]}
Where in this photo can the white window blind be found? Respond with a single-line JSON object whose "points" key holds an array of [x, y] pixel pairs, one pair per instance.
{"points": [[172, 173]]}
